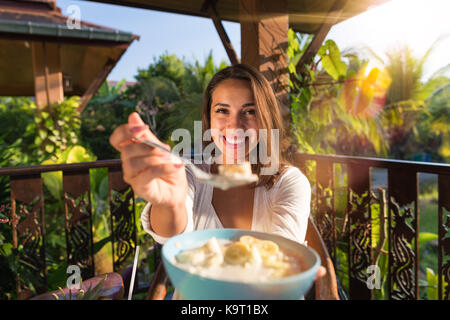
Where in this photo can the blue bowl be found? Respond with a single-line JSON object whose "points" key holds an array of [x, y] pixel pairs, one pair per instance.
{"points": [[195, 287]]}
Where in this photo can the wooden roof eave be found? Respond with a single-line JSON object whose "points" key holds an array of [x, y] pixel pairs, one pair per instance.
{"points": [[305, 16], [37, 29], [115, 41]]}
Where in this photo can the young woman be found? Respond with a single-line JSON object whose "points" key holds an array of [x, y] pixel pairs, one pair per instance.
{"points": [[238, 99]]}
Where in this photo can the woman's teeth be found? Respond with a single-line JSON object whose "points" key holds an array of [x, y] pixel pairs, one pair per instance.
{"points": [[234, 140]]}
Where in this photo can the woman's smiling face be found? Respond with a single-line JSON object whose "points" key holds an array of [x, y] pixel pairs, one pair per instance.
{"points": [[233, 119]]}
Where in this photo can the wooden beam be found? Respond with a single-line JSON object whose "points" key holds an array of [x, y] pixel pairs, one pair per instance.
{"points": [[48, 84], [98, 81], [111, 60], [211, 8], [264, 40], [331, 19]]}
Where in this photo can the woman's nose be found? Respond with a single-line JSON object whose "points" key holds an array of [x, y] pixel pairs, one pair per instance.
{"points": [[234, 122]]}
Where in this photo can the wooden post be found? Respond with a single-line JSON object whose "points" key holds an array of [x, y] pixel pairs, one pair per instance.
{"points": [[48, 82], [264, 40]]}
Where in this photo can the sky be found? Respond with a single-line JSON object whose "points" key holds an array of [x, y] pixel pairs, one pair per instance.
{"points": [[418, 23]]}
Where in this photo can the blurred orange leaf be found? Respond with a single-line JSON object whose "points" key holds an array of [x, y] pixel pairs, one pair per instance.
{"points": [[364, 95]]}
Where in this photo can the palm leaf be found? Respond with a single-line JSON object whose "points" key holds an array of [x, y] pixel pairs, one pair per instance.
{"points": [[93, 293]]}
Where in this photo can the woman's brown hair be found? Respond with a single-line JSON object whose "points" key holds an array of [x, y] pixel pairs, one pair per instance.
{"points": [[267, 113]]}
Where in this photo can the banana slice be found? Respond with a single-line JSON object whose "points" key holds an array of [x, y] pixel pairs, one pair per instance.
{"points": [[275, 263], [194, 257], [281, 272], [237, 253], [248, 240], [213, 260], [255, 257], [212, 246], [266, 247]]}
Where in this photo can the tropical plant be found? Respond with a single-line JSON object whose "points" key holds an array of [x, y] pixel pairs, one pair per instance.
{"points": [[439, 120], [107, 109], [334, 102], [43, 136], [40, 132], [34, 134], [99, 203], [407, 115]]}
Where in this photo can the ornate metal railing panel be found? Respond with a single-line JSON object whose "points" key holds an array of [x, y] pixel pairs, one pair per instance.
{"points": [[122, 208], [378, 224], [360, 235], [78, 221], [27, 218], [444, 236], [403, 234]]}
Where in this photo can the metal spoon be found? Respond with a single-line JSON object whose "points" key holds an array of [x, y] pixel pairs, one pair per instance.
{"points": [[220, 181]]}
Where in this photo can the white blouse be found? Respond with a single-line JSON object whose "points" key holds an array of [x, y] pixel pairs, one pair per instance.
{"points": [[283, 209]]}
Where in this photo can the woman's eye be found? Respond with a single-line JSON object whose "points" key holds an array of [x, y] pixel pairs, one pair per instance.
{"points": [[222, 110], [250, 112]]}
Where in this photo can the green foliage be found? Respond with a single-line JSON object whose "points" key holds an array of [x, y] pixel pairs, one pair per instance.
{"points": [[436, 127], [99, 196], [37, 134], [10, 267], [431, 284], [339, 106], [34, 135], [53, 180], [167, 66], [331, 60], [109, 108], [17, 111], [332, 102], [411, 109], [42, 136]]}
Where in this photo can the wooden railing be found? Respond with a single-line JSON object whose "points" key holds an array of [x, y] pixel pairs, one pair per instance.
{"points": [[390, 211], [347, 232], [28, 217]]}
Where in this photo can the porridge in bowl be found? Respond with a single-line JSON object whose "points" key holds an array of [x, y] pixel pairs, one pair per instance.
{"points": [[248, 259], [201, 268]]}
